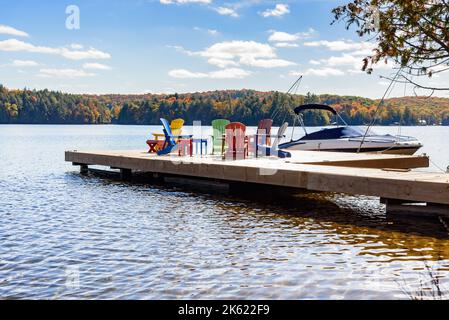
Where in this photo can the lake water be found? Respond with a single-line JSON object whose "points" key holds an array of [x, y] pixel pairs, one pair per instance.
{"points": [[63, 235]]}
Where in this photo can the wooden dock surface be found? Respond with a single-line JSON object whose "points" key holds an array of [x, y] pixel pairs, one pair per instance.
{"points": [[388, 183], [359, 160]]}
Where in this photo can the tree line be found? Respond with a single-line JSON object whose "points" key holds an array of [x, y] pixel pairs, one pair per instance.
{"points": [[247, 106]]}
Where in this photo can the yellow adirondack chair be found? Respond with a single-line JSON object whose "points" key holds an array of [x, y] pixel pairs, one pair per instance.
{"points": [[176, 127]]}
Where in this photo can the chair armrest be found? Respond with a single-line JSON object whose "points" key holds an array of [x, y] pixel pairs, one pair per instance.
{"points": [[158, 135]]}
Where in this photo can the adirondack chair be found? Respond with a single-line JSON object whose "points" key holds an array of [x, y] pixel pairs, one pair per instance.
{"points": [[273, 149], [169, 144], [263, 135], [235, 141], [218, 127], [264, 131], [176, 129]]}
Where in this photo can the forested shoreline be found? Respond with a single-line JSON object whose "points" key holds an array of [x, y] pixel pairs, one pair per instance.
{"points": [[247, 106]]}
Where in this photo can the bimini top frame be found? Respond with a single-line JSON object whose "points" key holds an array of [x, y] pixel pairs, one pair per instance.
{"points": [[298, 110]]}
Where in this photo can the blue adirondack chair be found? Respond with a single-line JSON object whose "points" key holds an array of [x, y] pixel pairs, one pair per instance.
{"points": [[170, 143]]}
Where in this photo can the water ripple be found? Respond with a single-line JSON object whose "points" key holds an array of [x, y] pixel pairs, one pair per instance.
{"points": [[66, 236]]}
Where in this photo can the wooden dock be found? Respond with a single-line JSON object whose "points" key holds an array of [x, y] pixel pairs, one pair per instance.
{"points": [[386, 176]]}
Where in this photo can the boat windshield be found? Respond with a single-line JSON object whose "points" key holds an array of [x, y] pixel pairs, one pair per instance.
{"points": [[336, 133]]}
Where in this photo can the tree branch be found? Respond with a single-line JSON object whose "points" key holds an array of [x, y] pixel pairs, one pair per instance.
{"points": [[408, 80]]}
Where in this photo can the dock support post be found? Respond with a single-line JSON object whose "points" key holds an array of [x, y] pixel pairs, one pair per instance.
{"points": [[84, 169], [414, 208], [157, 178], [260, 191], [125, 174]]}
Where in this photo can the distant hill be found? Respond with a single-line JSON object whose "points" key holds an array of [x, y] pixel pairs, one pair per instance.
{"points": [[247, 106]]}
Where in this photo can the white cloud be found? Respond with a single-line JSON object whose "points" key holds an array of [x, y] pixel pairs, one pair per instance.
{"points": [[17, 45], [319, 72], [266, 63], [360, 48], [24, 63], [250, 53], [278, 11], [324, 72], [382, 65], [344, 60], [14, 45], [287, 40], [76, 46], [353, 57], [231, 73], [355, 62], [222, 63], [285, 45], [280, 36], [356, 71], [239, 49], [181, 49], [212, 32], [64, 73], [12, 31], [185, 1], [96, 66], [225, 11], [184, 74], [91, 53]]}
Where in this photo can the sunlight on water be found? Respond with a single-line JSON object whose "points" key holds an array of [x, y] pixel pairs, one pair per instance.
{"points": [[63, 235]]}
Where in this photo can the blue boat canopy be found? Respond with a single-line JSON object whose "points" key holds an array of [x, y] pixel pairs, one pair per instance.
{"points": [[335, 133], [315, 107]]}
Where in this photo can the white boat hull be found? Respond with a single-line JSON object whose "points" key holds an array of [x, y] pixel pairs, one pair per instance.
{"points": [[353, 144]]}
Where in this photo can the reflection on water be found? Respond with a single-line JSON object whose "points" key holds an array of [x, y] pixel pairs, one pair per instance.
{"points": [[63, 235]]}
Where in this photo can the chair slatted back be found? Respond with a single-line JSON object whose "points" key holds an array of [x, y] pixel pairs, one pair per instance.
{"points": [[218, 127], [280, 135], [176, 127], [264, 131], [235, 134], [167, 131]]}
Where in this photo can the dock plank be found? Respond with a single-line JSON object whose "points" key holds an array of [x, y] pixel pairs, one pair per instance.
{"points": [[360, 160]]}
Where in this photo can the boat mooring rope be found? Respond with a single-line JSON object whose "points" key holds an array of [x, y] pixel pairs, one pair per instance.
{"points": [[438, 167], [293, 88], [293, 128], [390, 86]]}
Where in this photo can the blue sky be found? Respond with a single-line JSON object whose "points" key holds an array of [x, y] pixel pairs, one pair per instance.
{"points": [[165, 46]]}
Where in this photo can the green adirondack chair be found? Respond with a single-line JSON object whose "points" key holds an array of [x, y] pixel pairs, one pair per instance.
{"points": [[218, 127]]}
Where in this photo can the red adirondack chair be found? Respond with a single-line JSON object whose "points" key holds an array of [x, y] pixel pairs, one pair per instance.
{"points": [[236, 141], [264, 131], [263, 135]]}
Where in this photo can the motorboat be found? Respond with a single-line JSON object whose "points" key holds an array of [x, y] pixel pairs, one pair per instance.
{"points": [[349, 138]]}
